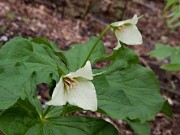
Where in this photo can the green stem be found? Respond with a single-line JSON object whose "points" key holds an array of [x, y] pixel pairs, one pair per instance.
{"points": [[61, 72], [97, 41], [64, 109], [46, 111]]}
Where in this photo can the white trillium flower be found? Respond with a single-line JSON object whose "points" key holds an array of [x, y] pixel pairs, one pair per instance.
{"points": [[76, 89], [127, 32]]}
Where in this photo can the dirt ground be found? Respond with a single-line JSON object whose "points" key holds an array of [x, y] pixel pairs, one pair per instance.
{"points": [[66, 23]]}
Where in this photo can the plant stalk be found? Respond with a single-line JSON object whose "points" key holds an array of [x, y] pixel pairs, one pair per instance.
{"points": [[96, 43], [46, 111]]}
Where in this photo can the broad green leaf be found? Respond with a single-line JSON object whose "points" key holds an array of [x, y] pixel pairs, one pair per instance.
{"points": [[77, 54], [15, 83], [57, 52], [120, 59], [17, 119], [161, 51], [73, 124], [28, 122], [42, 40], [171, 67], [23, 64], [130, 91], [140, 128], [7, 99], [37, 56]]}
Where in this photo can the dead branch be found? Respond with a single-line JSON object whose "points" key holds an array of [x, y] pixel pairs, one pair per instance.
{"points": [[88, 7], [170, 90]]}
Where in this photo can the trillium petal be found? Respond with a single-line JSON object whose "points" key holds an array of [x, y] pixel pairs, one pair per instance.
{"points": [[58, 96], [85, 72], [134, 20], [118, 46], [129, 35], [83, 95]]}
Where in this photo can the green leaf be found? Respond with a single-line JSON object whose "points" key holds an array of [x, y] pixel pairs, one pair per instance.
{"points": [[28, 122], [166, 109], [7, 99], [37, 57], [23, 65], [130, 91], [22, 116], [121, 59], [161, 51], [175, 56], [170, 3], [42, 40], [171, 67], [73, 124], [139, 128], [53, 46], [77, 54], [14, 83]]}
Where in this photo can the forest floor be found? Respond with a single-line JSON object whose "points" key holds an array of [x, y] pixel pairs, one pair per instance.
{"points": [[62, 23]]}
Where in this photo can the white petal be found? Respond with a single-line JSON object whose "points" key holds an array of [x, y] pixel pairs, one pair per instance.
{"points": [[83, 95], [118, 46], [134, 20], [129, 35], [58, 96], [85, 72]]}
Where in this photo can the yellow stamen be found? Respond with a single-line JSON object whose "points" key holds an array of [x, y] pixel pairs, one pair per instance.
{"points": [[121, 28], [69, 83]]}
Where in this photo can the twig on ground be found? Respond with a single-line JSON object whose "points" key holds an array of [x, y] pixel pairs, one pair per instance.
{"points": [[124, 9], [88, 7], [69, 4], [98, 20], [169, 90], [147, 5], [143, 61]]}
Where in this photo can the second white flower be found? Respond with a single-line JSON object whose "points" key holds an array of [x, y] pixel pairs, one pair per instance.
{"points": [[127, 32]]}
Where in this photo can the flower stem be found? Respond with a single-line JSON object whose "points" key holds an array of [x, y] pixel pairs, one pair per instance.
{"points": [[60, 71], [64, 110], [97, 41], [46, 111]]}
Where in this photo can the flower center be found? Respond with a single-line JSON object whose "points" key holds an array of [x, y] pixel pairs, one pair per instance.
{"points": [[121, 28], [69, 83]]}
